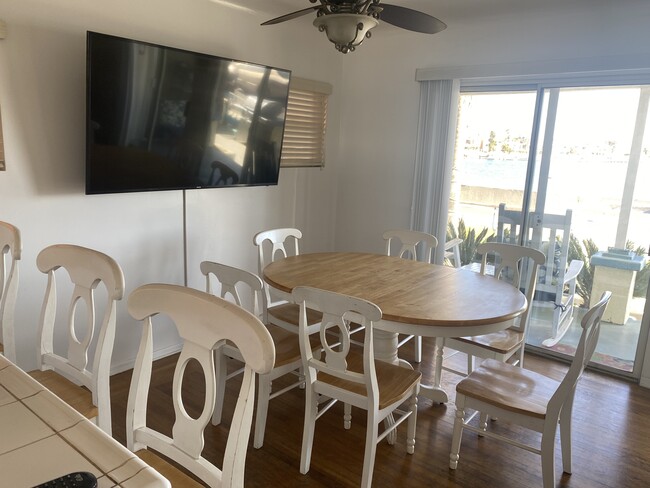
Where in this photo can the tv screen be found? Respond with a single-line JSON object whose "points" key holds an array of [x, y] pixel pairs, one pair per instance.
{"points": [[160, 118]]}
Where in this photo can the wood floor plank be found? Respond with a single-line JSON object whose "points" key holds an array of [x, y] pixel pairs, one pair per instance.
{"points": [[611, 437]]}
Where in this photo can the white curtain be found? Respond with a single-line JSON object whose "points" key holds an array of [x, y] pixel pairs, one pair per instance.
{"points": [[434, 158]]}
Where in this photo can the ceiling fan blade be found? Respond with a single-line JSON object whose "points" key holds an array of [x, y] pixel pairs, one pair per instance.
{"points": [[292, 15], [410, 19]]}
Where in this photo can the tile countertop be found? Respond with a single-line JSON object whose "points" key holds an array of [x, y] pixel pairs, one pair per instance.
{"points": [[42, 438]]}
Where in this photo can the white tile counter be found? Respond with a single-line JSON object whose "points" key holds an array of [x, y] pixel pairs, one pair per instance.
{"points": [[42, 438]]}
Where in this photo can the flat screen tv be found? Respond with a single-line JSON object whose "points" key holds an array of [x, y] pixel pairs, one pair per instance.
{"points": [[160, 118]]}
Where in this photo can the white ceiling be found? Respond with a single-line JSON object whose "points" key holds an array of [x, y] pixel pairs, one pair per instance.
{"points": [[449, 11]]}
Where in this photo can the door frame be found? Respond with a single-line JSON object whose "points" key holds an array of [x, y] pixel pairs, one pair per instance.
{"points": [[553, 83]]}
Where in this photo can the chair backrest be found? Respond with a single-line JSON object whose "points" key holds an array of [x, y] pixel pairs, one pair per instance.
{"points": [[516, 264], [586, 346], [10, 249], [550, 233], [203, 322], [334, 335], [86, 268], [243, 288], [283, 242], [275, 244], [410, 241]]}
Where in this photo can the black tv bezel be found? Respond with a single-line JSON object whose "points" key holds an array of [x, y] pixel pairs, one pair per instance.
{"points": [[88, 127]]}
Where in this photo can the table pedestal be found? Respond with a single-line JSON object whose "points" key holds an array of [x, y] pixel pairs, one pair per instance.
{"points": [[385, 344]]}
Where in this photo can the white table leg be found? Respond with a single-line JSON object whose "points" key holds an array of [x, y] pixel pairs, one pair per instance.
{"points": [[435, 392], [386, 350]]}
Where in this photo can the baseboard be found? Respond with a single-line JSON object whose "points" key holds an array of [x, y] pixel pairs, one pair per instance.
{"points": [[159, 354]]}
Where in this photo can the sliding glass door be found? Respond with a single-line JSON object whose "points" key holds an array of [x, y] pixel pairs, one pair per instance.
{"points": [[574, 158]]}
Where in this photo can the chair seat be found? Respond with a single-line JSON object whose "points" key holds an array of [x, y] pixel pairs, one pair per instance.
{"points": [[395, 382], [511, 388], [78, 397], [501, 342], [290, 313], [175, 476], [287, 345]]}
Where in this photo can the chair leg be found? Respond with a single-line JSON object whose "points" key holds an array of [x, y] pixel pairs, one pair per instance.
{"points": [[565, 435], [439, 350], [372, 432], [417, 346], [520, 356], [262, 409], [347, 416], [221, 373], [548, 456], [459, 423], [301, 377], [483, 421], [311, 410], [470, 364], [410, 426]]}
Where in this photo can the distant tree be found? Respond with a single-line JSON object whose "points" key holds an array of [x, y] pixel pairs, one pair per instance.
{"points": [[492, 141]]}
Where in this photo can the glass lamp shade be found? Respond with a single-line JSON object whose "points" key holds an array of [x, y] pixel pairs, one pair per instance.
{"points": [[346, 31]]}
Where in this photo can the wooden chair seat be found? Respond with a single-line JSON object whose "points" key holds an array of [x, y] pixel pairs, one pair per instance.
{"points": [[395, 382], [517, 390], [288, 313], [178, 478], [501, 342], [78, 397], [287, 345]]}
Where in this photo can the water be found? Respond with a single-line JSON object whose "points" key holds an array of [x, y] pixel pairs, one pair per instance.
{"points": [[591, 188]]}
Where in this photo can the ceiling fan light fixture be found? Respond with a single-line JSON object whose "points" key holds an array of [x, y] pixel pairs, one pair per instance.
{"points": [[346, 31]]}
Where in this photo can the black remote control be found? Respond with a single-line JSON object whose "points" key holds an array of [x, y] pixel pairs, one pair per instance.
{"points": [[79, 479]]}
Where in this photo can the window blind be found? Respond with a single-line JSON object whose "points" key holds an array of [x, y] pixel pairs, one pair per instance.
{"points": [[303, 144]]}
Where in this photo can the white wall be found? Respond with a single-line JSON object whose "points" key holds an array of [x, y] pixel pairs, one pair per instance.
{"points": [[42, 97]]}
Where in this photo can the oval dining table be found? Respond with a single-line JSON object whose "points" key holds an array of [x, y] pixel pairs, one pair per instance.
{"points": [[415, 298]]}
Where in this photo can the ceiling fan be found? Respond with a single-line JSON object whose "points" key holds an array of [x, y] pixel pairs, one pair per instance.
{"points": [[348, 22]]}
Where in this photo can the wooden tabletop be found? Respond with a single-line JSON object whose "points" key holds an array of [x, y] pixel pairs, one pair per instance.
{"points": [[407, 291]]}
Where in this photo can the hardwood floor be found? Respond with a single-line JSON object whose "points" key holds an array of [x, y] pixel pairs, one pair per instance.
{"points": [[611, 437]]}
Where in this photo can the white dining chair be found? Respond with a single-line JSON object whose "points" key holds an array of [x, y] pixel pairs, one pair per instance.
{"points": [[452, 252], [203, 322], [246, 290], [518, 265], [529, 399], [68, 373], [10, 250], [276, 244], [343, 374], [418, 246]]}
